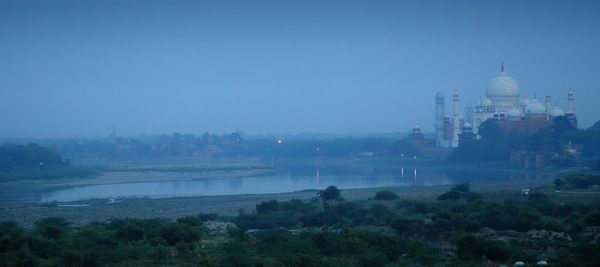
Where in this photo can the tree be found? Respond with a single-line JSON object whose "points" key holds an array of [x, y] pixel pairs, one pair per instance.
{"points": [[330, 193], [490, 129]]}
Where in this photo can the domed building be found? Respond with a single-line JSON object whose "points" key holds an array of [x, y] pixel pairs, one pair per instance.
{"points": [[503, 103], [503, 91]]}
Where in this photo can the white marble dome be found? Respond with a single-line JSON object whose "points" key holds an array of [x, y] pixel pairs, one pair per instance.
{"points": [[503, 91], [535, 108], [514, 113], [503, 85], [556, 112]]}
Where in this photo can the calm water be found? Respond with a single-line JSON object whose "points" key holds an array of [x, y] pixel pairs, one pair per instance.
{"points": [[292, 179]]}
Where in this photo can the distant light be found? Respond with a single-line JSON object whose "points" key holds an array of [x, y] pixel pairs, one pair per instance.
{"points": [[279, 141], [317, 149]]}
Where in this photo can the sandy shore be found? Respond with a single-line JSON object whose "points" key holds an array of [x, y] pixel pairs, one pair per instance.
{"points": [[119, 177], [83, 212]]}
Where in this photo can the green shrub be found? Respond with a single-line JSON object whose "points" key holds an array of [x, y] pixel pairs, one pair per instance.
{"points": [[473, 248], [267, 206]]}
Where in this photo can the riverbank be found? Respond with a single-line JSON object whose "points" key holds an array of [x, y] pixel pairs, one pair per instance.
{"points": [[83, 212], [119, 174]]}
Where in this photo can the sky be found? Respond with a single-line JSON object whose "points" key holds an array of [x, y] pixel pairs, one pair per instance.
{"points": [[73, 68]]}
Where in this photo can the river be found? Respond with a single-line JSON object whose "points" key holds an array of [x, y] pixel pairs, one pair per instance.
{"points": [[292, 178]]}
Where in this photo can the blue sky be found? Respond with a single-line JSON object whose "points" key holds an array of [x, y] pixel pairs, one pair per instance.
{"points": [[73, 68]]}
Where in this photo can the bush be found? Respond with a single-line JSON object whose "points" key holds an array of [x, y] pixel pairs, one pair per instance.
{"points": [[559, 184], [461, 191], [579, 180], [450, 195], [385, 195], [593, 219], [474, 196], [372, 258], [173, 233], [51, 228], [131, 231], [267, 206], [197, 220], [473, 248]]}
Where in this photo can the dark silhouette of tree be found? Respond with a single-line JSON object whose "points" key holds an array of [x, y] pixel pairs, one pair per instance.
{"points": [[330, 193]]}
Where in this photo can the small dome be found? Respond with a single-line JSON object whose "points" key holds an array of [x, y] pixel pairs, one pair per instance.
{"points": [[525, 102], [487, 102], [535, 108], [542, 263], [514, 113], [519, 263], [556, 112]]}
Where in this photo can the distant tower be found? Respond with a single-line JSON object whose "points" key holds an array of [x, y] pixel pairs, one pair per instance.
{"points": [[548, 105], [439, 119], [456, 120], [113, 134], [570, 103], [570, 112]]}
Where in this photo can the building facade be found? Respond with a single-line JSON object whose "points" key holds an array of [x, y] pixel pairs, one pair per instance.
{"points": [[503, 103]]}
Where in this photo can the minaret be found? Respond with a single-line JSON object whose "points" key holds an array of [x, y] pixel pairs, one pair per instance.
{"points": [[570, 103], [456, 120], [548, 105], [439, 119], [113, 134], [570, 112]]}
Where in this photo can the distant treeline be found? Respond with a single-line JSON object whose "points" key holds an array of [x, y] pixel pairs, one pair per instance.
{"points": [[562, 144], [32, 161], [13, 157], [229, 145]]}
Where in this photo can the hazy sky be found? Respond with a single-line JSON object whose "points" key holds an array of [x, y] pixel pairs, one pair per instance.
{"points": [[72, 68]]}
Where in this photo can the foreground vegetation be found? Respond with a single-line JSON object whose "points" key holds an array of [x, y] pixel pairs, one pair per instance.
{"points": [[460, 228]]}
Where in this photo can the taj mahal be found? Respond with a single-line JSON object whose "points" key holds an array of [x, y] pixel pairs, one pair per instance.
{"points": [[502, 103]]}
